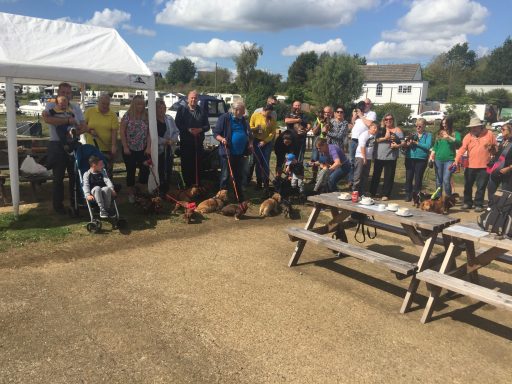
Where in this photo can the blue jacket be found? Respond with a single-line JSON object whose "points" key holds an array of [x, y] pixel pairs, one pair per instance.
{"points": [[422, 149], [223, 128]]}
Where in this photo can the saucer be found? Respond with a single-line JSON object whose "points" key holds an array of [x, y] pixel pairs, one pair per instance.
{"points": [[410, 214], [391, 209], [345, 199], [371, 202]]}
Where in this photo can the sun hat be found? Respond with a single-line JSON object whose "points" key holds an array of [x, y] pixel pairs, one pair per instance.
{"points": [[474, 122], [289, 158]]}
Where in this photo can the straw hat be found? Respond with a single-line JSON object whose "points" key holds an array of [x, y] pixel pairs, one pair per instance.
{"points": [[474, 122]]}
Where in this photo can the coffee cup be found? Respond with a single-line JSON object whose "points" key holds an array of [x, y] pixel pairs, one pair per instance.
{"points": [[367, 200], [392, 207], [344, 196], [403, 212], [382, 207]]}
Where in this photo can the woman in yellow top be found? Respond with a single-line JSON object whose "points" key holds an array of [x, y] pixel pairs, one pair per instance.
{"points": [[103, 126], [263, 127]]}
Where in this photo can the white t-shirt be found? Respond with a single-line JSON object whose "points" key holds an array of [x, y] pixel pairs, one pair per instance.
{"points": [[365, 141], [359, 126]]}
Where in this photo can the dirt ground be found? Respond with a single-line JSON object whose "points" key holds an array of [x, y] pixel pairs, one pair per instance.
{"points": [[216, 302]]}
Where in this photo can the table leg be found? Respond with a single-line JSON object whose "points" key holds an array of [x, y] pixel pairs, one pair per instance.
{"points": [[435, 291], [471, 255], [301, 243], [426, 251]]}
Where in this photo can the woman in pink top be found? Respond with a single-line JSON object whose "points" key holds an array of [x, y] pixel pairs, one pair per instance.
{"points": [[477, 143]]}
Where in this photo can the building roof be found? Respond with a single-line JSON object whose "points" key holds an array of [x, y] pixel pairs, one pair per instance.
{"points": [[392, 72]]}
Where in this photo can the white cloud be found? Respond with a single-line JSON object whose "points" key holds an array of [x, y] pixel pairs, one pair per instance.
{"points": [[214, 48], [139, 30], [260, 16], [109, 18], [430, 28], [330, 46], [161, 59], [482, 51]]}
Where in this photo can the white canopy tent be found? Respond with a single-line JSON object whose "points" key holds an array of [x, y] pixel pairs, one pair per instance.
{"points": [[36, 50]]}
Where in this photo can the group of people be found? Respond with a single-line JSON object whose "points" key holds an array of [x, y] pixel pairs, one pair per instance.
{"points": [[341, 148]]}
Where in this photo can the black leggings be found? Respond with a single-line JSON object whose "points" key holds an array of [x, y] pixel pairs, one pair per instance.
{"points": [[133, 161]]}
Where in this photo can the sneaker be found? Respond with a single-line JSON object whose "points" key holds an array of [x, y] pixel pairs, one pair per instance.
{"points": [[466, 206], [112, 213], [384, 198], [479, 209], [131, 198], [103, 214]]}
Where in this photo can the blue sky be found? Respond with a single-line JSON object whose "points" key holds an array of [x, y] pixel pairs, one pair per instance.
{"points": [[210, 31]]}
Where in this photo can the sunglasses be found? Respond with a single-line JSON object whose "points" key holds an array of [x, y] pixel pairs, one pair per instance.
{"points": [[388, 119], [340, 111]]}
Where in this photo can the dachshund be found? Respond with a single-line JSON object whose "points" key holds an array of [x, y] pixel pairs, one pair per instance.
{"points": [[271, 206], [441, 205], [237, 210], [215, 203]]}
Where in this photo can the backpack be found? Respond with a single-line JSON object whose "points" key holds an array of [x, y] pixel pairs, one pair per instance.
{"points": [[498, 217]]}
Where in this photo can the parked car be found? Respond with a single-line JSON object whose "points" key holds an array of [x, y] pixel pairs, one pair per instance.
{"points": [[3, 108], [497, 126], [429, 116], [33, 108]]}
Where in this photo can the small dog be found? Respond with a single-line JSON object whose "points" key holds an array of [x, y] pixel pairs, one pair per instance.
{"points": [[189, 209], [286, 208], [189, 194], [271, 206], [150, 204], [441, 205], [215, 203], [237, 210]]}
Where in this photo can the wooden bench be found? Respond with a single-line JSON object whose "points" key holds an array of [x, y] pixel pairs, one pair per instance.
{"points": [[466, 288], [402, 267]]}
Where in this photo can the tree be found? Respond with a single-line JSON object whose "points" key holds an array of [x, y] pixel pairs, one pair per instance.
{"points": [[246, 65], [449, 72], [460, 110], [336, 80], [207, 78], [181, 71], [263, 84], [399, 111], [499, 65], [300, 69]]}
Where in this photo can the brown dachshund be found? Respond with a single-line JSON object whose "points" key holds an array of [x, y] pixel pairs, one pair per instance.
{"points": [[215, 203], [441, 205]]}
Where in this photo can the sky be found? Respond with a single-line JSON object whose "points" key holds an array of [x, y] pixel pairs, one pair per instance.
{"points": [[213, 31]]}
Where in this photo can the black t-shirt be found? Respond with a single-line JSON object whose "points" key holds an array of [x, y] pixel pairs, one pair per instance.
{"points": [[161, 128]]}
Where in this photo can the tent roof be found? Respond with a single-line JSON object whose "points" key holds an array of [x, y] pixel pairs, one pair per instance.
{"points": [[33, 50]]}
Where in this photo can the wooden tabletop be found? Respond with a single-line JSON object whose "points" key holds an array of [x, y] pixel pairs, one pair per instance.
{"points": [[419, 219]]}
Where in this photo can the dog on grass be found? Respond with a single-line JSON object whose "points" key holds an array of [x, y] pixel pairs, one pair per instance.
{"points": [[237, 210], [441, 205], [271, 206], [150, 204], [286, 208], [215, 203], [189, 211]]}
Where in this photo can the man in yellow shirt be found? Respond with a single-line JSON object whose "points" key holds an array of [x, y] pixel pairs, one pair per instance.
{"points": [[103, 126], [263, 126]]}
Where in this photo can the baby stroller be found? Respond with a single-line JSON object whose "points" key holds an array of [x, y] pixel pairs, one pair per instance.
{"points": [[82, 153]]}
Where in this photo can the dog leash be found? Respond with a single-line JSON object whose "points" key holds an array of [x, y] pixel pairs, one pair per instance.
{"points": [[187, 206], [149, 163], [197, 159], [232, 177], [270, 173]]}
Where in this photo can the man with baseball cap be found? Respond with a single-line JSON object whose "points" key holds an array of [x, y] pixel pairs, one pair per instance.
{"points": [[478, 144]]}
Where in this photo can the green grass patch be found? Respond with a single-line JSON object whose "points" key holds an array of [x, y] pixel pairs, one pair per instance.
{"points": [[31, 227]]}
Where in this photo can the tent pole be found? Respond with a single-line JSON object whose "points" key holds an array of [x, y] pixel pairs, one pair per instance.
{"points": [[12, 145], [153, 132]]}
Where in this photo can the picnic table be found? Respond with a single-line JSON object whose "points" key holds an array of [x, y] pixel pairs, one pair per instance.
{"points": [[422, 228], [481, 249]]}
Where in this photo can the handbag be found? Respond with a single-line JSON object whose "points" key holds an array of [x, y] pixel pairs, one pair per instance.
{"points": [[495, 165]]}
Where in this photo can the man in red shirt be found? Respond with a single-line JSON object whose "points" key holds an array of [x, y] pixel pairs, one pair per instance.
{"points": [[477, 144]]}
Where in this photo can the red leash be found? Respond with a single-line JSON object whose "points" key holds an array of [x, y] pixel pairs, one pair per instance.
{"points": [[188, 206]]}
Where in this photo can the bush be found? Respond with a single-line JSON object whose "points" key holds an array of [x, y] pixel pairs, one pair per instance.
{"points": [[399, 111], [460, 111]]}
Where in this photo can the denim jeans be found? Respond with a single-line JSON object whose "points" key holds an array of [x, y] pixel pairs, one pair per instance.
{"points": [[472, 176], [444, 176], [414, 171], [337, 175], [238, 165], [262, 160]]}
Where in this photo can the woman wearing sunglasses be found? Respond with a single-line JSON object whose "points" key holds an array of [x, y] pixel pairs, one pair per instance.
{"points": [[388, 144]]}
